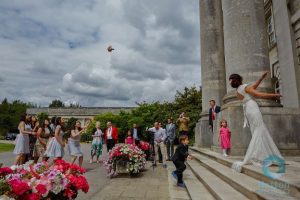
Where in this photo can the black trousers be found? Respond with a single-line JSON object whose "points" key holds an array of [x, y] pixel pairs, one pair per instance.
{"points": [[110, 143], [180, 167]]}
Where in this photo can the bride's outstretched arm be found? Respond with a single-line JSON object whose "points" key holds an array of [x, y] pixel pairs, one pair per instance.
{"points": [[258, 82], [262, 95]]}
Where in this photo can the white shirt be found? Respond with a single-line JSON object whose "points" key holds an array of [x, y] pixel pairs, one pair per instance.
{"points": [[109, 133], [135, 136], [159, 134]]}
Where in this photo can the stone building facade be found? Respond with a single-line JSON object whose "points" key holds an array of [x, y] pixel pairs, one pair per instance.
{"points": [[249, 37], [82, 114]]}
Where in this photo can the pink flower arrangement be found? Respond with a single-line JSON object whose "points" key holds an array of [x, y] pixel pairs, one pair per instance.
{"points": [[60, 180], [145, 146], [127, 155]]}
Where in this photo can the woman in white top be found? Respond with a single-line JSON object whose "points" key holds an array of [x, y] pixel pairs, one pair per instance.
{"points": [[22, 140], [97, 143], [56, 144], [261, 145], [74, 143]]}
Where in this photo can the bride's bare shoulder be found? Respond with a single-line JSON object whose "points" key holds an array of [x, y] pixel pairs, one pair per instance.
{"points": [[239, 96]]}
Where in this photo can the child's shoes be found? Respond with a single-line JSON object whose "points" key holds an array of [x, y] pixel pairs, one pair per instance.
{"points": [[174, 176], [181, 185]]}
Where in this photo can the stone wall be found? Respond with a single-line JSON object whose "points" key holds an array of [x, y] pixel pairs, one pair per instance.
{"points": [[77, 112]]}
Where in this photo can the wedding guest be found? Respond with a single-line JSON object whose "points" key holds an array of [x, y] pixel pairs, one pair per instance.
{"points": [[32, 138], [159, 137], [52, 126], [74, 143], [159, 151], [183, 122], [225, 136], [111, 136], [129, 139], [43, 135], [170, 132], [136, 133], [22, 140], [213, 110], [97, 144], [181, 154], [55, 149]]}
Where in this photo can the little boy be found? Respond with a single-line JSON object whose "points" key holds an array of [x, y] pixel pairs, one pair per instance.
{"points": [[180, 155]]}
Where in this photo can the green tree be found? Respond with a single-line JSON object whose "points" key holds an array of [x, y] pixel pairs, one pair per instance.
{"points": [[56, 104], [188, 100], [10, 113]]}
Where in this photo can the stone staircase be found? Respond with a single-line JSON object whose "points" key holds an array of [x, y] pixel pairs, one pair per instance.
{"points": [[209, 176]]}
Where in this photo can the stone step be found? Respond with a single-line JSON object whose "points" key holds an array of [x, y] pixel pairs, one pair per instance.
{"points": [[243, 183], [176, 193], [195, 188], [290, 178], [216, 186]]}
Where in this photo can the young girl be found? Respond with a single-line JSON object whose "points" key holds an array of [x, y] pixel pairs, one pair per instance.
{"points": [[129, 139], [22, 141], [55, 147], [43, 135], [74, 143], [96, 143], [225, 136]]}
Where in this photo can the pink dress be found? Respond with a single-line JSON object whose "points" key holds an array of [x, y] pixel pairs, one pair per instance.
{"points": [[225, 136], [129, 140]]}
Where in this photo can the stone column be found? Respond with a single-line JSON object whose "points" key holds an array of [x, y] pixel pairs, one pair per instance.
{"points": [[212, 64], [287, 54], [246, 43]]}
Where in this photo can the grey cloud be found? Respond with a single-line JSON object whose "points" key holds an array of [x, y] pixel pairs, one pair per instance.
{"points": [[43, 68], [136, 67], [57, 49]]}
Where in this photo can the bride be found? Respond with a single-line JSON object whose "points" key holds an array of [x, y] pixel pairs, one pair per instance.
{"points": [[261, 145]]}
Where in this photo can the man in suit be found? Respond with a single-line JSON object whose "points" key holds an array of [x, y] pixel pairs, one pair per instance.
{"points": [[212, 113], [110, 136], [170, 132], [136, 134]]}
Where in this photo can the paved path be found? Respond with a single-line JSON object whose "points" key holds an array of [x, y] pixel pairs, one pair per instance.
{"points": [[150, 184]]}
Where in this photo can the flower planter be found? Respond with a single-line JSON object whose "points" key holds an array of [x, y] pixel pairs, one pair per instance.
{"points": [[125, 158], [122, 167]]}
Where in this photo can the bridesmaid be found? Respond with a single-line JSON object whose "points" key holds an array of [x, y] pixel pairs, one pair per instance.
{"points": [[55, 149], [74, 143], [22, 141], [43, 135], [32, 138], [97, 143]]}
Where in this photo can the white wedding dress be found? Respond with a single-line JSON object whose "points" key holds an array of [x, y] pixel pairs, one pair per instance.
{"points": [[261, 145]]}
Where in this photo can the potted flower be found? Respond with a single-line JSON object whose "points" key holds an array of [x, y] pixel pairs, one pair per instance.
{"points": [[126, 158]]}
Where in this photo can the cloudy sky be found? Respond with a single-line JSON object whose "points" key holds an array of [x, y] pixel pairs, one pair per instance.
{"points": [[56, 49]]}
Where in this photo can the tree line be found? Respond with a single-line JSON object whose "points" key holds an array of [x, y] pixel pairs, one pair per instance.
{"points": [[189, 100]]}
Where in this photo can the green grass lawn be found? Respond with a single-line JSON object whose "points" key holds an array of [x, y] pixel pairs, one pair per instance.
{"points": [[6, 147]]}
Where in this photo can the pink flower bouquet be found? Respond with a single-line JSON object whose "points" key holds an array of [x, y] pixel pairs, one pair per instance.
{"points": [[60, 180]]}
